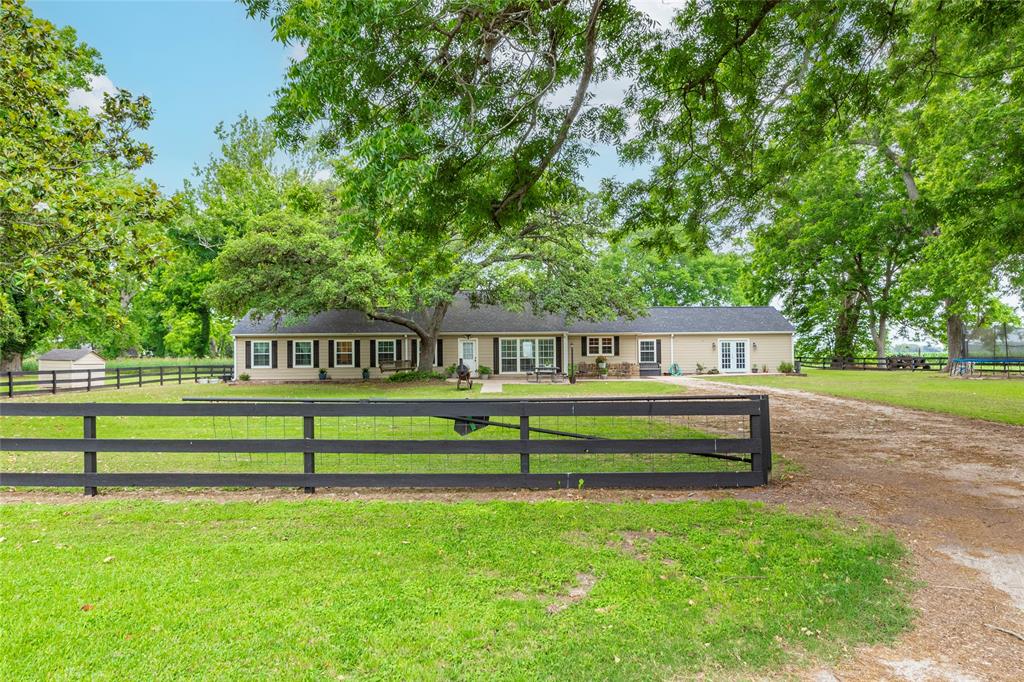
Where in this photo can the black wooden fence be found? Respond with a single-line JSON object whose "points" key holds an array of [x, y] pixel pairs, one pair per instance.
{"points": [[867, 362], [58, 380], [753, 446]]}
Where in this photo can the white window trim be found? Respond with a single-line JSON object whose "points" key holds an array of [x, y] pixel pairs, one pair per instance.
{"points": [[394, 350], [518, 357], [337, 352], [734, 341], [270, 354], [295, 354], [600, 345], [640, 350]]}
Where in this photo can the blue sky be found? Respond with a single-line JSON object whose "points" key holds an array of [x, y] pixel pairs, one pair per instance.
{"points": [[200, 63]]}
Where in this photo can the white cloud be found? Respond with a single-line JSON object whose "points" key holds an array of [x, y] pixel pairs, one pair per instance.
{"points": [[296, 52], [92, 99]]}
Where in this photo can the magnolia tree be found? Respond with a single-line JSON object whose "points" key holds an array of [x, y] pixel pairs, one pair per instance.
{"points": [[76, 229]]}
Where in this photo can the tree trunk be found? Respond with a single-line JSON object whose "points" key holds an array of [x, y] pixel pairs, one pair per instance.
{"points": [[880, 334], [204, 333], [846, 326], [10, 362], [954, 335], [425, 362]]}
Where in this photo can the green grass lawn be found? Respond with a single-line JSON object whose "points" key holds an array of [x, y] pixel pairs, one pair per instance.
{"points": [[362, 428], [421, 591], [999, 400], [31, 364]]}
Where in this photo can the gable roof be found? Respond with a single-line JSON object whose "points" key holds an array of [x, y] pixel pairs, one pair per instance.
{"points": [[68, 354], [463, 317]]}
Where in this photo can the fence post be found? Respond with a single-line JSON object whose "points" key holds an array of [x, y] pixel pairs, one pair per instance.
{"points": [[308, 458], [89, 431], [88, 380], [161, 375], [118, 371], [195, 373], [10, 384], [53, 379], [179, 374], [524, 434], [140, 375], [760, 428]]}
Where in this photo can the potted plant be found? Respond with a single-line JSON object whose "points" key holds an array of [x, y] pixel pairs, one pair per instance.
{"points": [[366, 373], [754, 369], [323, 374], [485, 371], [602, 362], [700, 368], [764, 369]]}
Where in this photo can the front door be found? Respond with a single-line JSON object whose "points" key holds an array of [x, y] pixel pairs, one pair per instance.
{"points": [[732, 356], [467, 354]]}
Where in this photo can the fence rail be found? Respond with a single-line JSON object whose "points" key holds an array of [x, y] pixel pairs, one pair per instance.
{"points": [[890, 363], [36, 382], [753, 446]]}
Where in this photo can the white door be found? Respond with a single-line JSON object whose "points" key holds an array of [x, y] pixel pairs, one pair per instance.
{"points": [[467, 354], [732, 356]]}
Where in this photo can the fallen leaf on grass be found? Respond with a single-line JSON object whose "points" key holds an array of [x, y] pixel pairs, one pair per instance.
{"points": [[87, 607], [108, 559]]}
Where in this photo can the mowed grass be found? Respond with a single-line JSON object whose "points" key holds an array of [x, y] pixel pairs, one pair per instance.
{"points": [[418, 428], [433, 591], [998, 400]]}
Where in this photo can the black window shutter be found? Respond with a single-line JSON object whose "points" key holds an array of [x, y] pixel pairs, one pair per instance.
{"points": [[497, 356], [373, 352], [398, 349], [248, 354], [316, 352], [289, 354], [584, 351], [358, 362], [330, 353], [273, 354], [657, 350], [414, 351], [440, 353], [616, 345], [558, 351]]}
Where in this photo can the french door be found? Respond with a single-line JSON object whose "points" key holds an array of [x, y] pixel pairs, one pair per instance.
{"points": [[732, 355]]}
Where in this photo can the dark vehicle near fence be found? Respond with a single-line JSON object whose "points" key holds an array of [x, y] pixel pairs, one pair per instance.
{"points": [[562, 437]]}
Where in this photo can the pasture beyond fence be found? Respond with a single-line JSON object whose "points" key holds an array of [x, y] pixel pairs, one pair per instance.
{"points": [[959, 367], [58, 380], [649, 442]]}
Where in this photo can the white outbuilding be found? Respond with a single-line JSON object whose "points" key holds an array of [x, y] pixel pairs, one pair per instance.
{"points": [[74, 367]]}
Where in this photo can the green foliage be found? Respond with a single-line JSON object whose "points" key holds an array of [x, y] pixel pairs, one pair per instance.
{"points": [[243, 377], [77, 231], [415, 375], [484, 370], [666, 276], [786, 367]]}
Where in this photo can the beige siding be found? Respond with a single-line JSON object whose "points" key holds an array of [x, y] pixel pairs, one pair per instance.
{"points": [[684, 349], [691, 349]]}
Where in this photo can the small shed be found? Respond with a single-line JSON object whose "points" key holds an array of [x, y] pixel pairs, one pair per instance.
{"points": [[74, 367]]}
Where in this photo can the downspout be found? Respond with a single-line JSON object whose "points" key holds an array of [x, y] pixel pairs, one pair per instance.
{"points": [[672, 349]]}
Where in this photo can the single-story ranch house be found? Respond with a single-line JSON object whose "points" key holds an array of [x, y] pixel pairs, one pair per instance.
{"points": [[730, 339]]}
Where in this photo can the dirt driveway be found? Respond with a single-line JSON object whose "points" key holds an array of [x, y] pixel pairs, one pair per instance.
{"points": [[951, 488]]}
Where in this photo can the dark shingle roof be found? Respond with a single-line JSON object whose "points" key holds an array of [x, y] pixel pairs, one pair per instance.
{"points": [[463, 317], [66, 354]]}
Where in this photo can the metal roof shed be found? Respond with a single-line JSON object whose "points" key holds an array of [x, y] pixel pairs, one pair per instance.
{"points": [[74, 367]]}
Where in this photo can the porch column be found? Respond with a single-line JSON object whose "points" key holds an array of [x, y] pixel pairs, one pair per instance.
{"points": [[565, 353], [672, 349]]}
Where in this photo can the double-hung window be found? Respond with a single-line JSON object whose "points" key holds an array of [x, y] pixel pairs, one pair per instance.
{"points": [[525, 355], [648, 353], [385, 351], [261, 354], [302, 354], [344, 353], [600, 345]]}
